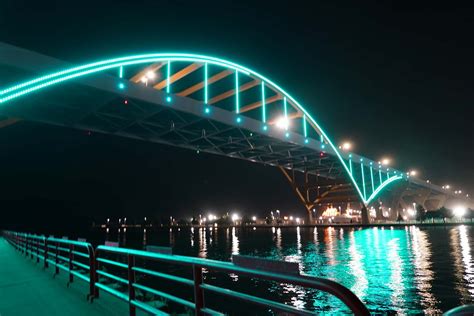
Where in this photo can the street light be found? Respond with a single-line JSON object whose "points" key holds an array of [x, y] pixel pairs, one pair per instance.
{"points": [[235, 217], [459, 211], [413, 173]]}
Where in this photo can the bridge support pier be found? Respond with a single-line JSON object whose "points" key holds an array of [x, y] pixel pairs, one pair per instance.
{"points": [[302, 193], [318, 192], [364, 216]]}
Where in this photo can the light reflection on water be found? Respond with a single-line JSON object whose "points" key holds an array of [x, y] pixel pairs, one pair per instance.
{"points": [[401, 270]]}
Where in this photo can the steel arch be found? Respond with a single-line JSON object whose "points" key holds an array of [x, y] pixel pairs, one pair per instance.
{"points": [[45, 81]]}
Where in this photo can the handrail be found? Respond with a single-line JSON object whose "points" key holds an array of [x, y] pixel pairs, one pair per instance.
{"points": [[198, 264], [39, 247], [67, 257]]}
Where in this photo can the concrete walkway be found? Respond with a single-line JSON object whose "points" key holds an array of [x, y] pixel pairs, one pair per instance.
{"points": [[26, 288]]}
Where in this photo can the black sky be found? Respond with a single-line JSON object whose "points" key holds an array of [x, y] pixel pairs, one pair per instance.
{"points": [[396, 80]]}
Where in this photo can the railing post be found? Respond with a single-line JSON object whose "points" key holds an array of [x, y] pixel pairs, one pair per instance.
{"points": [[31, 246], [57, 258], [92, 267], [131, 281], [96, 276], [37, 250], [71, 258], [46, 264], [25, 248], [198, 292]]}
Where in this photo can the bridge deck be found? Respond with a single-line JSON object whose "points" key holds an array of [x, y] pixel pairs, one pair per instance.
{"points": [[27, 289]]}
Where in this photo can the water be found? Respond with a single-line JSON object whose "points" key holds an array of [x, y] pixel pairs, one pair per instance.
{"points": [[401, 270]]}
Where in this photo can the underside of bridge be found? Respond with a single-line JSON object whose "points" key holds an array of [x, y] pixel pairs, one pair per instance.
{"points": [[203, 106]]}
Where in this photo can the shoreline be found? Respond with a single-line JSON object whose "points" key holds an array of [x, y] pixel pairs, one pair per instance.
{"points": [[341, 225]]}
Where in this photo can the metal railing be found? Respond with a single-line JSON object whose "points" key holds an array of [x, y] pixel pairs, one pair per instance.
{"points": [[129, 274], [74, 257]]}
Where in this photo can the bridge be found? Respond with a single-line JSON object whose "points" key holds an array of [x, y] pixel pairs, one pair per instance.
{"points": [[211, 105]]}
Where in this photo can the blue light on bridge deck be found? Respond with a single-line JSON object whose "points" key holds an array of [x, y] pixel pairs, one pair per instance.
{"points": [[304, 126], [237, 105], [239, 119], [306, 141], [168, 99], [265, 127], [322, 146], [264, 114], [372, 177], [380, 174], [121, 86], [287, 134], [207, 110], [350, 163], [363, 177], [168, 73], [205, 86]]}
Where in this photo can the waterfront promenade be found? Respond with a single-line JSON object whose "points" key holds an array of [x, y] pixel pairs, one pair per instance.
{"points": [[26, 288]]}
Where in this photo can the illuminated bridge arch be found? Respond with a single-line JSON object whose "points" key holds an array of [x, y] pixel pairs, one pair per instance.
{"points": [[218, 84]]}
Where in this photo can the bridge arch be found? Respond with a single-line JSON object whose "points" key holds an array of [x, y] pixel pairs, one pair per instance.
{"points": [[358, 169]]}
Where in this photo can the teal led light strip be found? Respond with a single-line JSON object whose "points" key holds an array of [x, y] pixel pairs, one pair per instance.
{"points": [[350, 164], [71, 73], [285, 108], [237, 105], [381, 187], [363, 177], [380, 174], [305, 130], [264, 114], [372, 177], [205, 84], [168, 74], [388, 174], [121, 72]]}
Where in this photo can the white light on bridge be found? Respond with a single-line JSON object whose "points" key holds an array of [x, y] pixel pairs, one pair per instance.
{"points": [[346, 146], [235, 217], [150, 75], [283, 123], [413, 173], [254, 218], [385, 161]]}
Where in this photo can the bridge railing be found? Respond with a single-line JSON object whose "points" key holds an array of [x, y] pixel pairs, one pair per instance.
{"points": [[74, 257], [109, 266], [130, 268]]}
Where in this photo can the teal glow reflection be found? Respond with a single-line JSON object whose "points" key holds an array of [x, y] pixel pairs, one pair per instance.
{"points": [[394, 270]]}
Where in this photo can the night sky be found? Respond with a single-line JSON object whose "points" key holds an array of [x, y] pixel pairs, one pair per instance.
{"points": [[395, 80]]}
